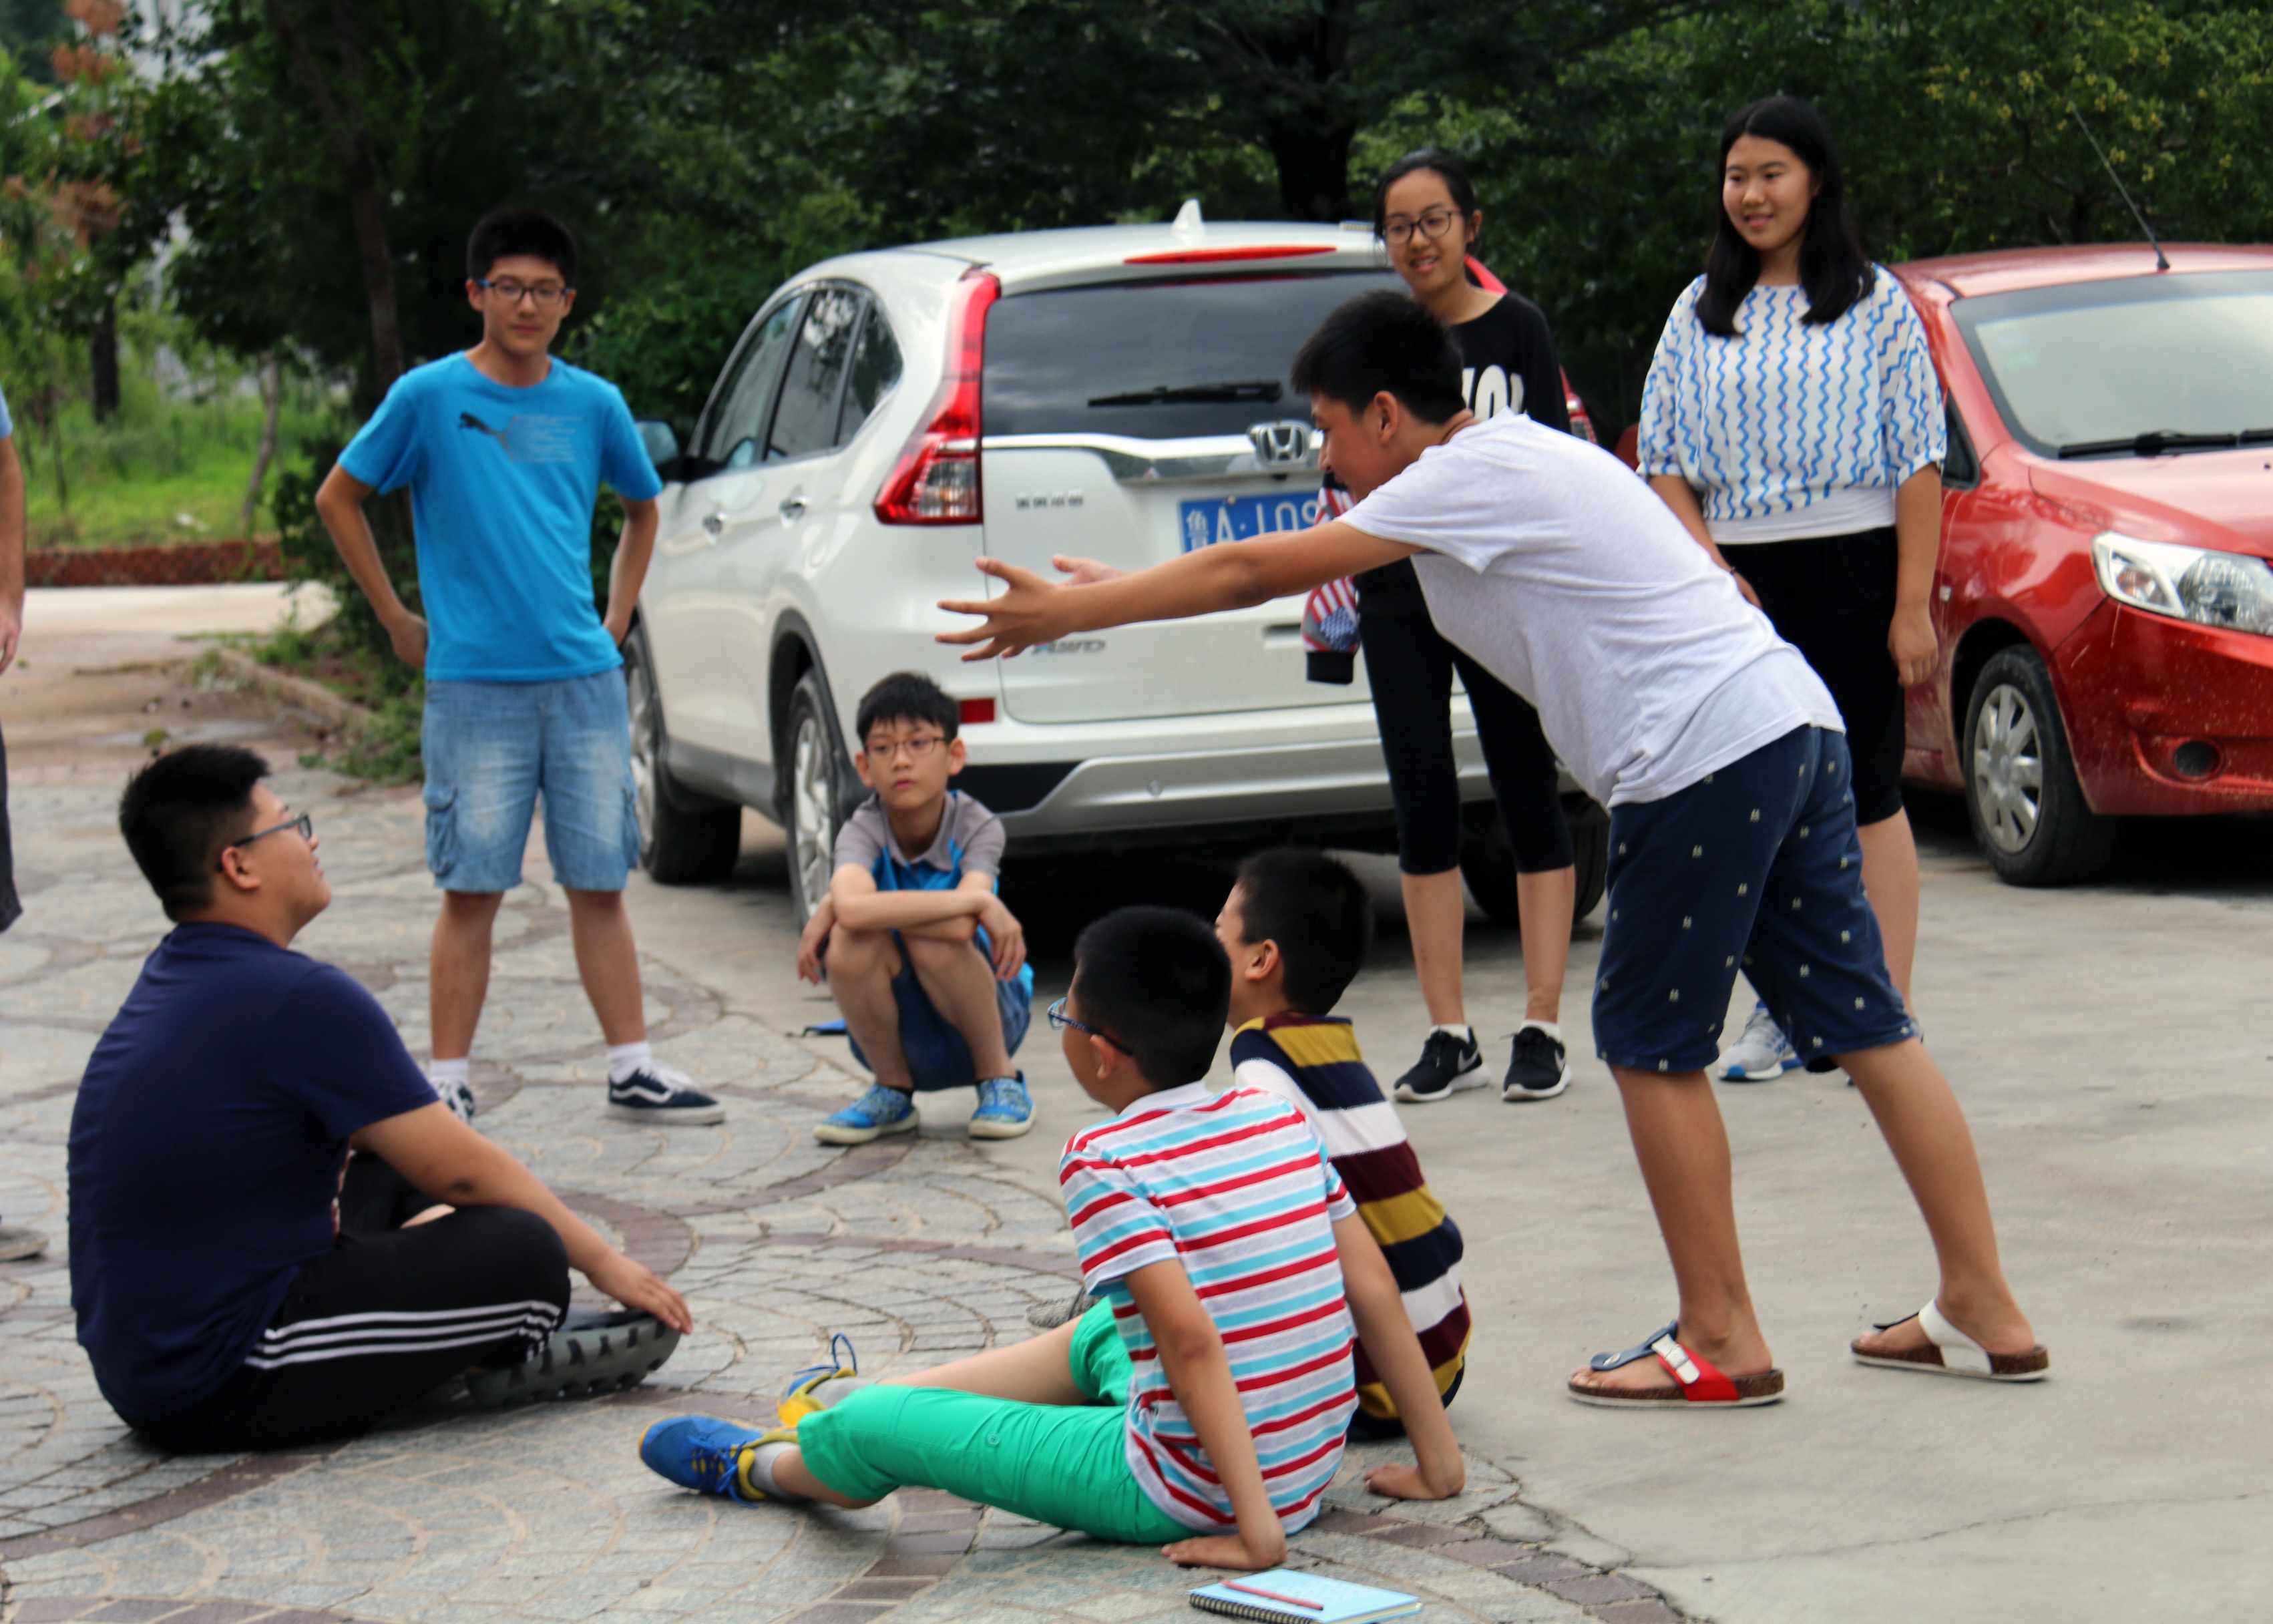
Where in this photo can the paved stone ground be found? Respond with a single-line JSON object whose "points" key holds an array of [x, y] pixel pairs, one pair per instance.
{"points": [[922, 1249]]}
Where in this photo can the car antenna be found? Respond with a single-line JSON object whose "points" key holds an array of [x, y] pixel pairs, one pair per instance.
{"points": [[2161, 264]]}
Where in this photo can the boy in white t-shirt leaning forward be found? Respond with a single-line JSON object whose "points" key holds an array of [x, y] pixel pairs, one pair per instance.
{"points": [[1719, 755]]}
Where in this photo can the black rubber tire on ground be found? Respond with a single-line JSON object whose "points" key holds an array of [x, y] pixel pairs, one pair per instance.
{"points": [[1488, 864], [2028, 812], [814, 763], [682, 841]]}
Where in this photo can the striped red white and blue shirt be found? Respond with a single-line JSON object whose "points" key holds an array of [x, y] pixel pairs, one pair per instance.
{"points": [[1233, 1187]]}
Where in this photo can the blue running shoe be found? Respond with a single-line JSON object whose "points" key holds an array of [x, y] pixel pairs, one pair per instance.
{"points": [[705, 1454], [1005, 1108], [880, 1111], [821, 1387]]}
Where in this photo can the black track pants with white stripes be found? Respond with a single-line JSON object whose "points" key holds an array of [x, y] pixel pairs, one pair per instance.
{"points": [[380, 1318]]}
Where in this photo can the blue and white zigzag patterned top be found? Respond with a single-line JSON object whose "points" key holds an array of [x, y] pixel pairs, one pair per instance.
{"points": [[1790, 430]]}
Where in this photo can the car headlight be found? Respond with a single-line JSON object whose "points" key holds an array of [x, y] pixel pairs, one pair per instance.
{"points": [[2187, 583]]}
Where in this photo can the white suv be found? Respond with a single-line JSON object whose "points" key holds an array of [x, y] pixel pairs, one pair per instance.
{"points": [[1119, 393]]}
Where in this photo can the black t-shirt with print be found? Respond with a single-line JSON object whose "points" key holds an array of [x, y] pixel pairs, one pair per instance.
{"points": [[1508, 364]]}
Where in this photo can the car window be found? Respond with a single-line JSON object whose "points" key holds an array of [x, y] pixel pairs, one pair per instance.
{"points": [[1157, 360], [738, 409], [1960, 470], [804, 420], [875, 368]]}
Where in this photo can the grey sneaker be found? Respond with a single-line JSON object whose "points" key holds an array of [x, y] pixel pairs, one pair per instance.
{"points": [[594, 1352], [20, 1241], [1049, 1316], [1761, 1054]]}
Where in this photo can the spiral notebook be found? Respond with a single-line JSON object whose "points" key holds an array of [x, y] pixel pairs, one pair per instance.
{"points": [[1281, 1594]]}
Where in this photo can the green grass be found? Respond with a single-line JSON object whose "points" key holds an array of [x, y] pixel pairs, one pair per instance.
{"points": [[385, 749]]}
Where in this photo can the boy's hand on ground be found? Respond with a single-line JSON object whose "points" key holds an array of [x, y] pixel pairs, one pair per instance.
{"points": [[1083, 572], [408, 636], [1030, 610], [1006, 935], [1398, 1480], [1227, 1550], [634, 1285]]}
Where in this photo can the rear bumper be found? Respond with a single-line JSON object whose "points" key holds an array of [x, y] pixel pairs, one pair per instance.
{"points": [[2143, 695]]}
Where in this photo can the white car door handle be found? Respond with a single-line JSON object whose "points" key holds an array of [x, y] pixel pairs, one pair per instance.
{"points": [[793, 509], [715, 523]]}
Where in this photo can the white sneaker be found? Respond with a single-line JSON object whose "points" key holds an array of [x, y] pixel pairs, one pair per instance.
{"points": [[1761, 1054]]}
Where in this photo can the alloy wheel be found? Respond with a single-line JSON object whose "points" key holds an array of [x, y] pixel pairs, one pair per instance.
{"points": [[811, 788], [2008, 767], [641, 694]]}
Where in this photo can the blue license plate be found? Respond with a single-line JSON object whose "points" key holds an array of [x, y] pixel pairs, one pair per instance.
{"points": [[1243, 518]]}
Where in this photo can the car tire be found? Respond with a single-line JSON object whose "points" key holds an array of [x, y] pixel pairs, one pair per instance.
{"points": [[1487, 864], [815, 766], [2028, 811], [679, 845]]}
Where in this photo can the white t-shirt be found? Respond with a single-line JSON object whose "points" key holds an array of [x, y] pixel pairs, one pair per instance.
{"points": [[1566, 578]]}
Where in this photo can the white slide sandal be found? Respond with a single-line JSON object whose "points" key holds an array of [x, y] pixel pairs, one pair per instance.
{"points": [[1950, 1352]]}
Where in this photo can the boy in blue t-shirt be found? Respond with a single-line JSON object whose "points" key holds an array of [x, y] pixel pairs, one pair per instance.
{"points": [[927, 963], [504, 449]]}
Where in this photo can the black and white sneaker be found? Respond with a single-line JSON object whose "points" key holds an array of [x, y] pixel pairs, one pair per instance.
{"points": [[659, 1095], [1448, 1064], [458, 1095], [595, 1351], [1540, 1068]]}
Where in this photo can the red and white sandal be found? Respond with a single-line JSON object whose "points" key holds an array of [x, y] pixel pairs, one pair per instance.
{"points": [[1950, 1352], [1698, 1383]]}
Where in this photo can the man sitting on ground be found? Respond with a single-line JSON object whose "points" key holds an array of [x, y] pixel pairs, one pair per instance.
{"points": [[927, 965], [228, 1296]]}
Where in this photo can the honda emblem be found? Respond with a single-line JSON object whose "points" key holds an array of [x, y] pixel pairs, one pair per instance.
{"points": [[1281, 443]]}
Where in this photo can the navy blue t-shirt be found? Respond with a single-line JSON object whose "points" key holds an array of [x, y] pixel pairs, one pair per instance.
{"points": [[206, 1152]]}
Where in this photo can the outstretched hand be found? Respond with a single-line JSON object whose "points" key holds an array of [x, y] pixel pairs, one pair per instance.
{"points": [[1030, 610]]}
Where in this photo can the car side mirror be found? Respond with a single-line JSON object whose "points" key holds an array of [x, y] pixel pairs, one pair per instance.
{"points": [[662, 443]]}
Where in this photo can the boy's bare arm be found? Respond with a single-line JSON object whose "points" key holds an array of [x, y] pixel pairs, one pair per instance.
{"points": [[1199, 1374], [1383, 1326], [861, 907], [627, 572], [339, 503], [1237, 575]]}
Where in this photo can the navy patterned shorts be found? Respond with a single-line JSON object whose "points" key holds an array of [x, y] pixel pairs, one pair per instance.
{"points": [[1757, 868]]}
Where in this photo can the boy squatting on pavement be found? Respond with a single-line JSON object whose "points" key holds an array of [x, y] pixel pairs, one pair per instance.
{"points": [[1210, 1424], [231, 1294], [1719, 755], [926, 964], [1296, 927], [504, 449]]}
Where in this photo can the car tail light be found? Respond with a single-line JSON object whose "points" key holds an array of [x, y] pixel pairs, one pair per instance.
{"points": [[936, 479], [974, 712]]}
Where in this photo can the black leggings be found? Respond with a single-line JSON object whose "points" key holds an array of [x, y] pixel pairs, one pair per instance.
{"points": [[384, 1316], [1409, 666]]}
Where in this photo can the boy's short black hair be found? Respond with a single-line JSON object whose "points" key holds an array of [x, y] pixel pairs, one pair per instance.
{"points": [[1157, 981], [503, 233], [906, 696], [1381, 341], [181, 810], [1317, 911]]}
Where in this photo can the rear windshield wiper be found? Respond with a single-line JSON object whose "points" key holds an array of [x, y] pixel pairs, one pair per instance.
{"points": [[1194, 394], [2256, 436], [2154, 442]]}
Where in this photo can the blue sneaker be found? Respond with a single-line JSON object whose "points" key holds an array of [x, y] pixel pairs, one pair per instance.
{"points": [[821, 1386], [705, 1454], [1005, 1108], [880, 1111]]}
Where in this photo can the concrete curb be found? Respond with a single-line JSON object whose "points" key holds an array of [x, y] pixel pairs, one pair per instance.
{"points": [[313, 697]]}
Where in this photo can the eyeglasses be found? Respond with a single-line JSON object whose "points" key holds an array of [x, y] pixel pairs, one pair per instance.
{"points": [[917, 749], [1060, 1020], [306, 824], [547, 295], [1433, 223]]}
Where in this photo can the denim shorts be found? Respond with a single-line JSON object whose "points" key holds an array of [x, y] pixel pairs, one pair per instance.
{"points": [[938, 1057], [1757, 867], [493, 750]]}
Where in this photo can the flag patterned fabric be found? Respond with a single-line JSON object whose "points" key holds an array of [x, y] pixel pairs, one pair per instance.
{"points": [[1330, 613], [1314, 1062], [1233, 1187]]}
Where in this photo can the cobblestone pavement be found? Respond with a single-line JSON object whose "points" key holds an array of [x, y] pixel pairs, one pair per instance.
{"points": [[921, 1249]]}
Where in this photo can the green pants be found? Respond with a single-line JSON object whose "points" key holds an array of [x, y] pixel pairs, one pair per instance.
{"points": [[1062, 1464]]}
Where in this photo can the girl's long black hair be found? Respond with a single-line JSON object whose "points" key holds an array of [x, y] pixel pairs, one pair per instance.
{"points": [[1833, 266]]}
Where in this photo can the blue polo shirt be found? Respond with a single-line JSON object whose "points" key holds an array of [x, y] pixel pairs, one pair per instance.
{"points": [[206, 1148], [503, 481]]}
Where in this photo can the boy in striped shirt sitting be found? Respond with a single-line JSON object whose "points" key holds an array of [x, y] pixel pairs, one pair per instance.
{"points": [[1297, 927], [1202, 1403]]}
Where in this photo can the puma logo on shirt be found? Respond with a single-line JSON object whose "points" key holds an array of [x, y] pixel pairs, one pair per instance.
{"points": [[530, 437]]}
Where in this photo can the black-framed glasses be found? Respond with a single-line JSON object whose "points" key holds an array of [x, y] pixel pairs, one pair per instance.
{"points": [[917, 749], [1060, 1020], [547, 295], [1432, 224], [306, 824]]}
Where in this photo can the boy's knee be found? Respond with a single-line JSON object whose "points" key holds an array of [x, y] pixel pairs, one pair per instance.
{"points": [[518, 1249], [860, 952], [940, 953]]}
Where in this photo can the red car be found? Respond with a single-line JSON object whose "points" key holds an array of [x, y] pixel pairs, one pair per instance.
{"points": [[2104, 594]]}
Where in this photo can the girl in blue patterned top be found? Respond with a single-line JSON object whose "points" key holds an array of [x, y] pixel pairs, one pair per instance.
{"points": [[1793, 422]]}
